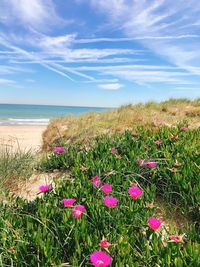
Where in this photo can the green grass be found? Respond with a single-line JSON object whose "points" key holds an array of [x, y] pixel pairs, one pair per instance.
{"points": [[44, 233]]}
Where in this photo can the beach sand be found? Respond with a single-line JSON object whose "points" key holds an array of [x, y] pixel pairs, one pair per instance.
{"points": [[23, 137]]}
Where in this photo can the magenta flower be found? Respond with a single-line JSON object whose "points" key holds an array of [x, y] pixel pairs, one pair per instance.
{"points": [[59, 149], [100, 259], [113, 150], [78, 211], [183, 129], [154, 223], [104, 244], [158, 142], [110, 202], [106, 188], [135, 192], [45, 188], [96, 181], [151, 164], [68, 202]]}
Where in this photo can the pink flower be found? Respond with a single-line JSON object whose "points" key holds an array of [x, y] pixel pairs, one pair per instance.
{"points": [[104, 244], [135, 192], [110, 202], [176, 238], [106, 188], [68, 202], [100, 259], [154, 223], [113, 150], [96, 181], [78, 211], [59, 149], [151, 164], [158, 142], [183, 129], [45, 188]]}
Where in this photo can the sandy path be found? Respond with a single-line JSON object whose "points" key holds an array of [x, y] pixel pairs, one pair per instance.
{"points": [[25, 137]]}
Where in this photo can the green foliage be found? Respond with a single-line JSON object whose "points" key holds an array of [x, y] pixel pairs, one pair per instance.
{"points": [[44, 233]]}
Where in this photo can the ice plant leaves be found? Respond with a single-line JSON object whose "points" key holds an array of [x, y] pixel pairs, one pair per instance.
{"points": [[55, 229]]}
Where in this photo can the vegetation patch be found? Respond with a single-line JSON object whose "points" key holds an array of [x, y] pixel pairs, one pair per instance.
{"points": [[105, 213]]}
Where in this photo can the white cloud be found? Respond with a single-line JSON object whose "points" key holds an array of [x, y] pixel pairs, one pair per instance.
{"points": [[111, 86]]}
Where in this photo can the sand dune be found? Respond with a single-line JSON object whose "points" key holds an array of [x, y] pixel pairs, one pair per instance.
{"points": [[25, 137]]}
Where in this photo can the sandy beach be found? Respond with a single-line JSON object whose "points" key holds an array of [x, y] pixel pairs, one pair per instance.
{"points": [[25, 137]]}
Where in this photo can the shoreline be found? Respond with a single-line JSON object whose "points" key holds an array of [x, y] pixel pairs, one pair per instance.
{"points": [[23, 137]]}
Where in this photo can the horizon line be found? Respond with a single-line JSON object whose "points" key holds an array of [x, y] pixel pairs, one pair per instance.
{"points": [[54, 105]]}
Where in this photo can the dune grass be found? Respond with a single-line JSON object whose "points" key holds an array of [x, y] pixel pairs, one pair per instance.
{"points": [[15, 166], [129, 117], [45, 233]]}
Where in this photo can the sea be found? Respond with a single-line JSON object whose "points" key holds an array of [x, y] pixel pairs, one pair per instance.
{"points": [[17, 114]]}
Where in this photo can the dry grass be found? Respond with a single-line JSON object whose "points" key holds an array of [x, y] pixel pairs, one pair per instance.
{"points": [[152, 114]]}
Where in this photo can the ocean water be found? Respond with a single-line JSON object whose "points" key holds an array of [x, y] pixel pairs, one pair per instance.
{"points": [[14, 114]]}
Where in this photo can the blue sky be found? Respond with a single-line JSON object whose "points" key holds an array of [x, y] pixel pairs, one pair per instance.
{"points": [[98, 52]]}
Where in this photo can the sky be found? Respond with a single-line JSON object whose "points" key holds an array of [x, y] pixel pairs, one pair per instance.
{"points": [[98, 52]]}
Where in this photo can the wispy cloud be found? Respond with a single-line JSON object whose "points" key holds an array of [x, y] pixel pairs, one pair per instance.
{"points": [[111, 86], [38, 14], [143, 74], [158, 26], [4, 69], [31, 57], [145, 29], [6, 81], [99, 40]]}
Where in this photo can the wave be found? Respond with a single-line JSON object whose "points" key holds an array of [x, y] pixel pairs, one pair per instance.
{"points": [[22, 121], [28, 120]]}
